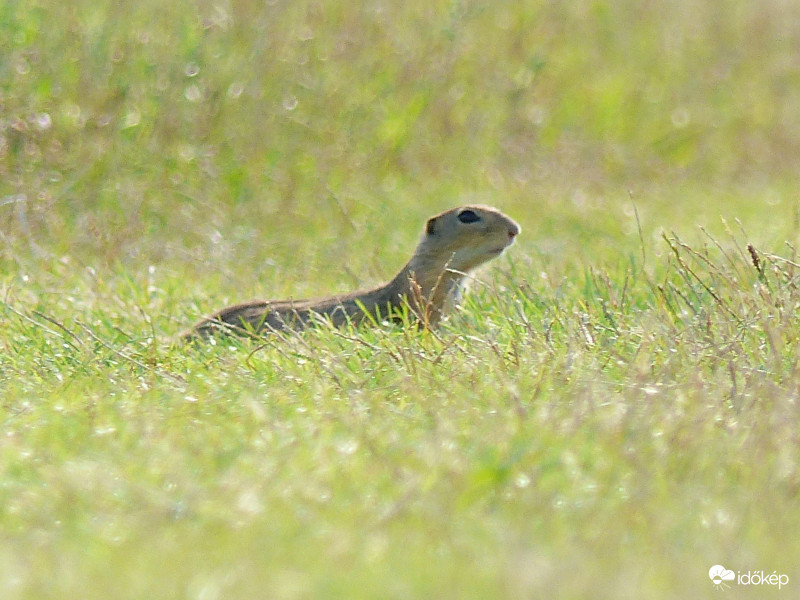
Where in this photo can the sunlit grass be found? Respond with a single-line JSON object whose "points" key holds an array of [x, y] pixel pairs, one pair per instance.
{"points": [[613, 411]]}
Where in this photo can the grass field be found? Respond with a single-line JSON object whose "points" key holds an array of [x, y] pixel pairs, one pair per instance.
{"points": [[614, 410]]}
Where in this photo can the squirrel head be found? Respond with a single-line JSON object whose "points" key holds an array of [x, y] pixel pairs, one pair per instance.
{"points": [[465, 237]]}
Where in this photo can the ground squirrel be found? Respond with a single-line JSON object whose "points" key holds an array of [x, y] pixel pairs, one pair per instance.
{"points": [[454, 242]]}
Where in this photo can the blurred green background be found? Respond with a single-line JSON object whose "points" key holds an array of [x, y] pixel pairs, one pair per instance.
{"points": [[223, 137]]}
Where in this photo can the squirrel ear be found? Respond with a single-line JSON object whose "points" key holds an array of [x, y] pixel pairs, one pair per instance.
{"points": [[430, 227]]}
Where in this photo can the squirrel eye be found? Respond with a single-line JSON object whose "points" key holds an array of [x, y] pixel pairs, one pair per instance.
{"points": [[468, 216]]}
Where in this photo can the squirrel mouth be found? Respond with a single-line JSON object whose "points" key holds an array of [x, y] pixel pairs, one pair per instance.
{"points": [[500, 249]]}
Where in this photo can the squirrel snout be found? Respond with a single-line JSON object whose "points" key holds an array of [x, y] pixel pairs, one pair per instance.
{"points": [[513, 230]]}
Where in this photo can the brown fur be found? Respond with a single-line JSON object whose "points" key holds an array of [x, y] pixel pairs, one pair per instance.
{"points": [[431, 280]]}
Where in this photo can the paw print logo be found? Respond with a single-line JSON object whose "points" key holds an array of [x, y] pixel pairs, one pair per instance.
{"points": [[719, 575]]}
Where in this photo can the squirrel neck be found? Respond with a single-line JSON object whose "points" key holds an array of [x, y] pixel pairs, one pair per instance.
{"points": [[427, 283]]}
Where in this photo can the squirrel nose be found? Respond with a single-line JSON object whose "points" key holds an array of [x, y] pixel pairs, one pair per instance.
{"points": [[512, 233]]}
